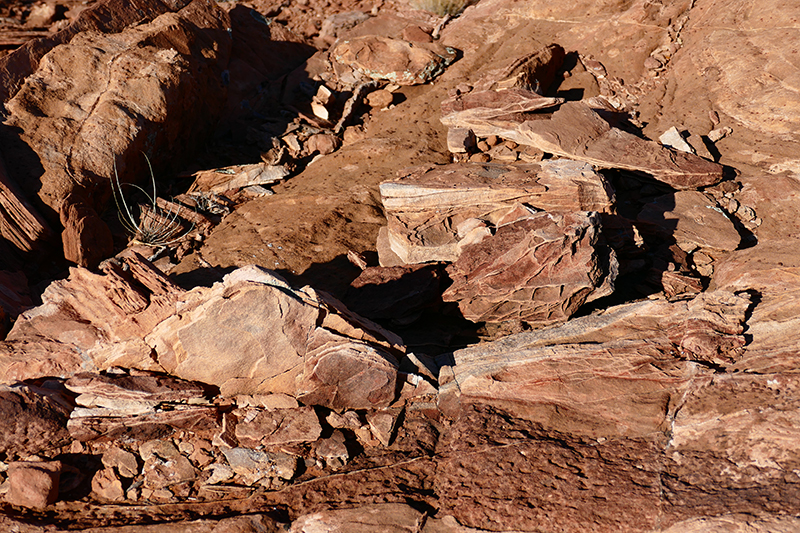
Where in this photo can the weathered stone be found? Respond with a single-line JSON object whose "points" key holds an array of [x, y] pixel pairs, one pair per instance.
{"points": [[672, 138], [277, 427], [33, 484], [388, 518], [316, 349], [82, 127], [692, 220], [107, 486], [236, 177], [159, 473], [333, 450], [103, 317], [33, 420], [651, 342], [380, 99], [535, 71], [254, 466], [322, 143], [124, 462], [578, 132], [383, 424], [460, 140], [395, 60], [431, 210], [89, 424], [539, 269], [488, 105]]}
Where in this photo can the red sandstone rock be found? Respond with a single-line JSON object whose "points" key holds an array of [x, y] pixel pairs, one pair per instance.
{"points": [[33, 484], [100, 118], [433, 212], [539, 269], [388, 518], [277, 427], [33, 420], [578, 132]]}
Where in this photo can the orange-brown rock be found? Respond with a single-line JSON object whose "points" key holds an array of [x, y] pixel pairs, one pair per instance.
{"points": [[433, 212], [82, 125], [539, 269]]}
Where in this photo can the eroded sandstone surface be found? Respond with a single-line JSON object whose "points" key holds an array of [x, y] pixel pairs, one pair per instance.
{"points": [[352, 266]]}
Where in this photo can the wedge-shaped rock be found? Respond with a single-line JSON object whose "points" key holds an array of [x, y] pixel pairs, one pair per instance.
{"points": [[613, 374], [431, 210], [395, 60], [238, 176], [578, 132], [538, 270], [486, 105]]}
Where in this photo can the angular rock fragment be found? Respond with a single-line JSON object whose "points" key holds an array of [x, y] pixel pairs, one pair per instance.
{"points": [[536, 70], [253, 465], [578, 132], [236, 177], [430, 211], [539, 270], [507, 104], [277, 427], [395, 60], [692, 220], [124, 462], [672, 138], [101, 116], [615, 373], [33, 421], [33, 484], [107, 486]]}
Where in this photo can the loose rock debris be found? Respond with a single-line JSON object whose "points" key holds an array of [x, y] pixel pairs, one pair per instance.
{"points": [[516, 311]]}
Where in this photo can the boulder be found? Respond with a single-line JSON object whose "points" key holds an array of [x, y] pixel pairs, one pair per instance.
{"points": [[433, 212], [539, 269], [615, 372], [397, 61], [83, 123], [294, 341]]}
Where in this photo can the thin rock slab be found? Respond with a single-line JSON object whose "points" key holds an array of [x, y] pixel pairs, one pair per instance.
{"points": [[277, 426], [386, 517], [692, 220], [394, 60], [537, 270], [431, 210], [238, 176], [618, 373], [577, 131]]}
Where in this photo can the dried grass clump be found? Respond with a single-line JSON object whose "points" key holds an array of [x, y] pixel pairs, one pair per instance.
{"points": [[442, 8]]}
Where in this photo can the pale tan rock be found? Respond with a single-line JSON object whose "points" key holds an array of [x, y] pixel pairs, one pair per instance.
{"points": [[124, 462], [387, 517], [277, 427], [380, 99], [383, 424], [253, 465], [236, 177], [33, 484], [395, 60], [306, 359], [107, 486], [425, 207]]}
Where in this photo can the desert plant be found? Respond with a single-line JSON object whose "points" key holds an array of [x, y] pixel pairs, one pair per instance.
{"points": [[155, 226], [442, 8]]}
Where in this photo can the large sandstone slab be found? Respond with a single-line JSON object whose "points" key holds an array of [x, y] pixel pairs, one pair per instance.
{"points": [[614, 374], [539, 270], [431, 210], [252, 333], [82, 112], [577, 131]]}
